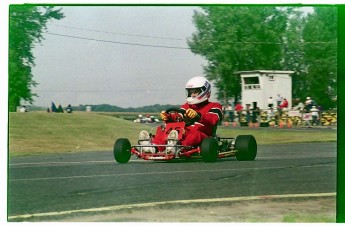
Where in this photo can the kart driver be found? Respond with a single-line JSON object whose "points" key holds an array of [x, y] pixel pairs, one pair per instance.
{"points": [[201, 118]]}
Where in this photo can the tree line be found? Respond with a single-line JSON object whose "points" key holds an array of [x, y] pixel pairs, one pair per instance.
{"points": [[107, 108], [111, 108]]}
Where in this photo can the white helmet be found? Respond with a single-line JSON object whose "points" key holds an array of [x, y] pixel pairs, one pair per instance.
{"points": [[198, 83]]}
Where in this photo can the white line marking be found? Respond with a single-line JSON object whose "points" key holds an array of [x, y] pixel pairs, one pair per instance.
{"points": [[156, 173], [153, 204], [56, 163], [39, 164]]}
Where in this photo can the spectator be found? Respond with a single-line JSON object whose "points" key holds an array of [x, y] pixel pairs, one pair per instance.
{"points": [[256, 112], [284, 105], [276, 116], [279, 100], [60, 110], [54, 109], [308, 104], [314, 115], [231, 113], [248, 113], [69, 109], [227, 111], [238, 109]]}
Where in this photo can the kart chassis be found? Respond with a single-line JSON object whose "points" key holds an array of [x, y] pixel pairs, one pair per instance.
{"points": [[226, 149], [243, 147]]}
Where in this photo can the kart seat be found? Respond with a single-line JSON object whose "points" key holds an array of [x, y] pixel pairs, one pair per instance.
{"points": [[214, 129]]}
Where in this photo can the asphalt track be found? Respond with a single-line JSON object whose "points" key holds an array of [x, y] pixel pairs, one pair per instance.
{"points": [[62, 184]]}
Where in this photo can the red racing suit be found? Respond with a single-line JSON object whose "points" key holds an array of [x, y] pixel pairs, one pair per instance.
{"points": [[210, 113]]}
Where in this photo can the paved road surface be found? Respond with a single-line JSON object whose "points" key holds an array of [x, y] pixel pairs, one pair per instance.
{"points": [[67, 182]]}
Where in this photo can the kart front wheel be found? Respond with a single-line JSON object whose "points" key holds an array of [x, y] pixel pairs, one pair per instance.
{"points": [[122, 150], [246, 147], [209, 149]]}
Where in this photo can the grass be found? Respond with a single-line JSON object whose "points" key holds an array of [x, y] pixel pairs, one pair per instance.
{"points": [[40, 132], [280, 136], [311, 218]]}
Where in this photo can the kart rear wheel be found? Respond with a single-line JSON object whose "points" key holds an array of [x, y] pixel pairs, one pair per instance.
{"points": [[122, 150], [209, 149], [246, 147]]}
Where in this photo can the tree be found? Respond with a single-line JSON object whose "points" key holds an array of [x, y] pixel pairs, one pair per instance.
{"points": [[26, 24], [320, 56], [238, 38], [293, 57]]}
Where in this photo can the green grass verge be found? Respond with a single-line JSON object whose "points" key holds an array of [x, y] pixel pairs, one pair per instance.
{"points": [[311, 218], [280, 136], [41, 132], [38, 132]]}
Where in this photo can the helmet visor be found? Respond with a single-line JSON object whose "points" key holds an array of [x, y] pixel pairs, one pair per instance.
{"points": [[191, 91]]}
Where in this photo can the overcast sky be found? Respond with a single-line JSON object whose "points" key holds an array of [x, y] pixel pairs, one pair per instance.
{"points": [[108, 55], [129, 56]]}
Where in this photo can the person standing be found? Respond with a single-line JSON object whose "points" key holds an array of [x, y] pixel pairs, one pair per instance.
{"points": [[270, 103], [69, 109], [284, 105], [238, 109], [231, 113], [279, 100], [314, 115], [308, 104], [228, 112]]}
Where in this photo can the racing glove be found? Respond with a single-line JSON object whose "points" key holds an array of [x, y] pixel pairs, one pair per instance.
{"points": [[192, 114], [164, 116]]}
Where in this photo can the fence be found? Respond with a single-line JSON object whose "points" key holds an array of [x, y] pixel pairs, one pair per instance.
{"points": [[279, 118]]}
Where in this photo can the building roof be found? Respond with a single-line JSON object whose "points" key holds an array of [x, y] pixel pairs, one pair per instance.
{"points": [[264, 72]]}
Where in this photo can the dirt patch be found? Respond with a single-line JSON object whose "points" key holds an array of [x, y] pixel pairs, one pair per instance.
{"points": [[302, 210]]}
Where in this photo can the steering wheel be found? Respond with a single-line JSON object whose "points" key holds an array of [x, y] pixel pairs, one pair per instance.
{"points": [[176, 110]]}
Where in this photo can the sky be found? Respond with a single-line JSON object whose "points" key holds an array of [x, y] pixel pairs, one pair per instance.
{"points": [[128, 56]]}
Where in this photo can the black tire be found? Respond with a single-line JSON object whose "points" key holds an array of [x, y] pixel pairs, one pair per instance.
{"points": [[246, 147], [209, 149], [122, 150]]}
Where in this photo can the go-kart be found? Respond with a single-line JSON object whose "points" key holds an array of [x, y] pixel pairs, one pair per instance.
{"points": [[243, 147]]}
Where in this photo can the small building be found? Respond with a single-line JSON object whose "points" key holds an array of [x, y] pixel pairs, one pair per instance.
{"points": [[259, 85]]}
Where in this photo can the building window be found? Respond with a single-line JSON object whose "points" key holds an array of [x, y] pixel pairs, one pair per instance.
{"points": [[271, 77], [251, 82]]}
